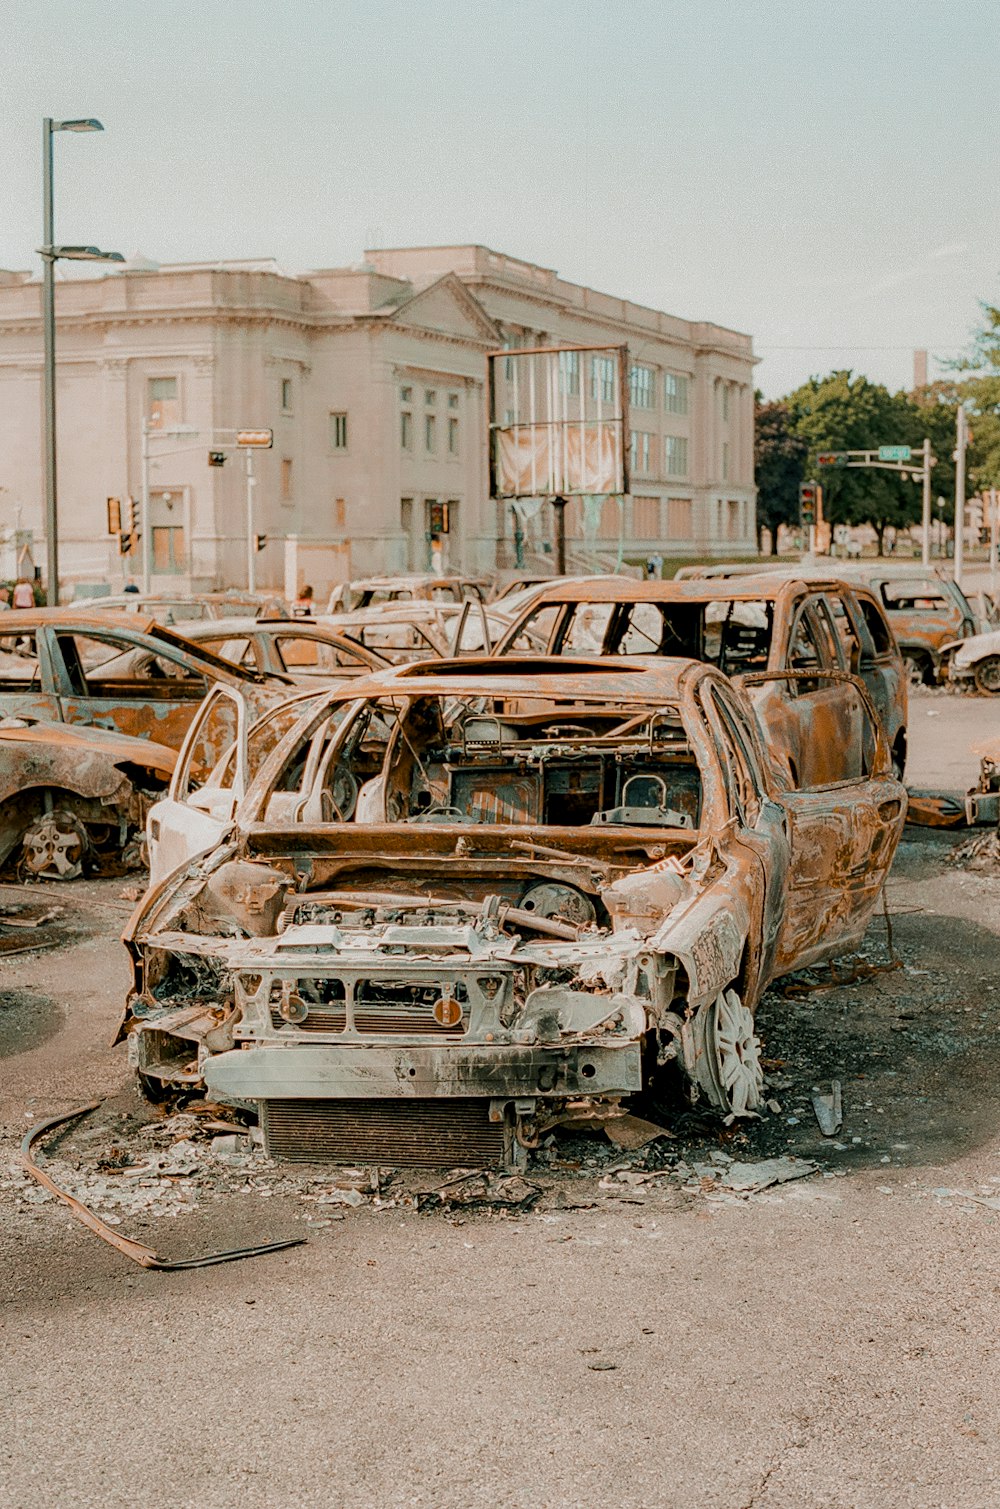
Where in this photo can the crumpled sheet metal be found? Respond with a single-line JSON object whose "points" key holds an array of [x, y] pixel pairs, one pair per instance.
{"points": [[138, 1252]]}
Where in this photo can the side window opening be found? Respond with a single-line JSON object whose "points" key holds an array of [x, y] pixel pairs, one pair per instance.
{"points": [[877, 627], [19, 669]]}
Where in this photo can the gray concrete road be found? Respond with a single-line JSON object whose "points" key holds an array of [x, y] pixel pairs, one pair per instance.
{"points": [[832, 1343]]}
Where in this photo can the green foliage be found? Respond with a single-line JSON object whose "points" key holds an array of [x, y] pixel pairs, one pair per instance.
{"points": [[845, 412], [979, 388], [779, 466]]}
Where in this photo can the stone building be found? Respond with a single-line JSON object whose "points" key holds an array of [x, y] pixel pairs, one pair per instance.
{"points": [[373, 379]]}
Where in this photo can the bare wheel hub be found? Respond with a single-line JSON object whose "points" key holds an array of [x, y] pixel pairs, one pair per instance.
{"points": [[54, 847]]}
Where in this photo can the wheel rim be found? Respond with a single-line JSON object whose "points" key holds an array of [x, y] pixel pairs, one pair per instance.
{"points": [[727, 1056], [988, 674], [738, 1050], [54, 847]]}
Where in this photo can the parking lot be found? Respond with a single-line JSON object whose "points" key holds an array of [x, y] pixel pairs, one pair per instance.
{"points": [[645, 1320]]}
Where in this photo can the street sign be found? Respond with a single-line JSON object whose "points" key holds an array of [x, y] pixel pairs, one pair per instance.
{"points": [[262, 438], [894, 453], [216, 458]]}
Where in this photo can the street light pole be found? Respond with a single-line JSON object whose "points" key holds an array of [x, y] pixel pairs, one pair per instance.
{"points": [[926, 510], [51, 254], [49, 328]]}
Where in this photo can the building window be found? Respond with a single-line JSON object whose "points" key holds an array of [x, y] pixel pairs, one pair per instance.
{"points": [[675, 455], [430, 432], [286, 395], [406, 430], [453, 437], [569, 373], [675, 393], [725, 461], [286, 479], [602, 378], [338, 432], [725, 401], [639, 452], [406, 394], [340, 513], [453, 400], [162, 404], [430, 395], [646, 518], [679, 519], [642, 387]]}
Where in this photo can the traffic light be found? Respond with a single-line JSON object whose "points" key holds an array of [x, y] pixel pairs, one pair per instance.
{"points": [[807, 503], [259, 541], [832, 458], [216, 458]]}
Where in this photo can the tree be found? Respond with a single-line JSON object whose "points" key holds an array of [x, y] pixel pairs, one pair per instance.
{"points": [[845, 412], [779, 462], [978, 387]]}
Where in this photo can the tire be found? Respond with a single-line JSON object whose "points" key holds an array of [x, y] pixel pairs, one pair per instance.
{"points": [[919, 670], [986, 675]]}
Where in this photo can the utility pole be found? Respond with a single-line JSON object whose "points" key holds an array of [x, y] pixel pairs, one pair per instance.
{"points": [[559, 504], [925, 518], [49, 331], [145, 533], [962, 437], [994, 529]]}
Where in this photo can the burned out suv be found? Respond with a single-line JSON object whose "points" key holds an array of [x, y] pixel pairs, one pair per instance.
{"points": [[749, 624]]}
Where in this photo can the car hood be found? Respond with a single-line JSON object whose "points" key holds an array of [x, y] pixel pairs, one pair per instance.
{"points": [[977, 647], [17, 732]]}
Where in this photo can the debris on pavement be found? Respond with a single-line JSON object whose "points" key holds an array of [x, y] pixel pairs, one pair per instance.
{"points": [[138, 1252], [747, 1177], [828, 1106], [480, 1188], [633, 1132]]}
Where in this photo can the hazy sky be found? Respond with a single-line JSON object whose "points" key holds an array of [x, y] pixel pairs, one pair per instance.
{"points": [[821, 173]]}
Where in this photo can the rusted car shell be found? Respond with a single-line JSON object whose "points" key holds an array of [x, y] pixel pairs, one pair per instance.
{"points": [[263, 635], [698, 920], [922, 632], [374, 591], [160, 709], [88, 770], [882, 672]]}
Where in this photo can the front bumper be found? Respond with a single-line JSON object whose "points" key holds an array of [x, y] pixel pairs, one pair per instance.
{"points": [[356, 1071]]}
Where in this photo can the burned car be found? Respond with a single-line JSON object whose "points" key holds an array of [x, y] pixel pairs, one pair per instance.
{"points": [[459, 906], [755, 623], [75, 799], [121, 672]]}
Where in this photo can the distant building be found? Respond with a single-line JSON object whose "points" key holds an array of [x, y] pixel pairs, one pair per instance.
{"points": [[373, 379]]}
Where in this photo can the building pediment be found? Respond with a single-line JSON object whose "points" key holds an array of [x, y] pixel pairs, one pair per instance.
{"points": [[448, 308]]}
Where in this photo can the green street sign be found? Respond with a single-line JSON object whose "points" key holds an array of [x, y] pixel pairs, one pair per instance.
{"points": [[894, 453]]}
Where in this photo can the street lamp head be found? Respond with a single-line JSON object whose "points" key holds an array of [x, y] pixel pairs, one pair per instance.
{"points": [[81, 125], [79, 254]]}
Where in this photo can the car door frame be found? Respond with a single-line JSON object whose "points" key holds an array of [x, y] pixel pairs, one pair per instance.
{"points": [[177, 828]]}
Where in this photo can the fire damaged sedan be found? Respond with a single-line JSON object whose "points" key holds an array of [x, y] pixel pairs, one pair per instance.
{"points": [[457, 907]]}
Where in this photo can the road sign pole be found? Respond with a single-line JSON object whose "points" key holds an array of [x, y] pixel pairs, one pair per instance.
{"points": [[925, 516], [251, 553], [994, 530]]}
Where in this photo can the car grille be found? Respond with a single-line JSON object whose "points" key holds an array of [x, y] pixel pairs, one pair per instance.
{"points": [[380, 1007], [404, 1133]]}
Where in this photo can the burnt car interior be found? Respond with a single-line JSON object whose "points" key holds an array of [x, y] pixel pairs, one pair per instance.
{"points": [[512, 760], [19, 670]]}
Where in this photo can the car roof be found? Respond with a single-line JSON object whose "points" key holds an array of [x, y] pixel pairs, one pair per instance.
{"points": [[595, 679], [691, 589], [37, 618]]}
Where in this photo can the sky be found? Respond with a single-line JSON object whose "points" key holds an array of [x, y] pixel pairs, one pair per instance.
{"points": [[820, 173]]}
